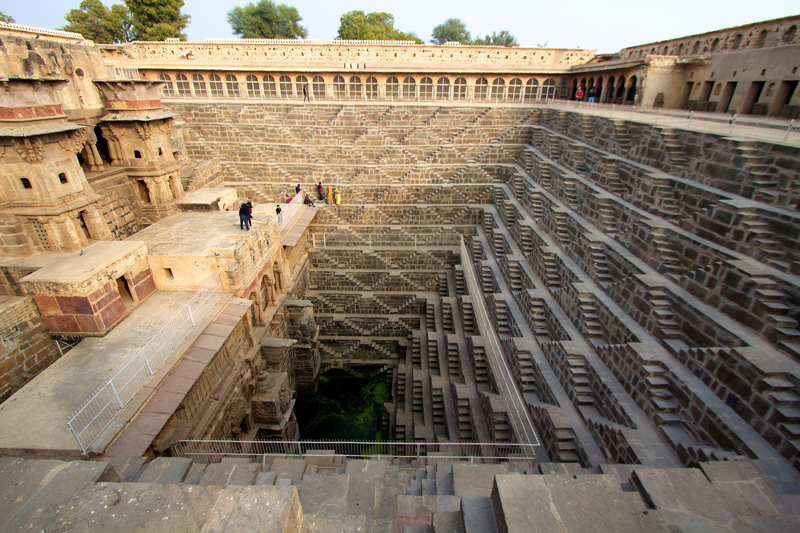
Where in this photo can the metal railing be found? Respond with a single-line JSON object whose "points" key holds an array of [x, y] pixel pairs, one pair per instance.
{"points": [[96, 413], [519, 416], [289, 211], [383, 240], [213, 451], [730, 123]]}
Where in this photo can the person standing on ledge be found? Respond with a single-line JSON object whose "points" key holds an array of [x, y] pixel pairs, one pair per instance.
{"points": [[579, 94], [330, 196], [319, 191], [297, 189], [337, 195], [244, 217], [592, 94], [305, 94]]}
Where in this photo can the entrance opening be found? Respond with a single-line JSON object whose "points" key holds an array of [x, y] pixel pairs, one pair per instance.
{"points": [[687, 93], [102, 145], [82, 224], [124, 292], [727, 95], [752, 96], [142, 192], [345, 406], [782, 98]]}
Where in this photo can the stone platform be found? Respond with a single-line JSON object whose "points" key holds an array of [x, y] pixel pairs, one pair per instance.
{"points": [[34, 420]]}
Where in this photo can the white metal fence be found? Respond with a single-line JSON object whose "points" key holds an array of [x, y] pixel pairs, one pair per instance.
{"points": [[289, 211], [728, 123], [386, 239], [98, 411], [518, 413], [213, 451]]}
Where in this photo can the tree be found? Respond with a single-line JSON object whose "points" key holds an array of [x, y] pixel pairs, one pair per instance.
{"points": [[498, 39], [451, 30], [372, 26], [6, 18], [265, 20], [156, 20], [95, 21]]}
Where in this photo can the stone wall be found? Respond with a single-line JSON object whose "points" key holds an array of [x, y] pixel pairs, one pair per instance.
{"points": [[26, 347]]}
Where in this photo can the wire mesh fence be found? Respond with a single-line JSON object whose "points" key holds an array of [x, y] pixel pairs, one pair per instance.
{"points": [[96, 413]]}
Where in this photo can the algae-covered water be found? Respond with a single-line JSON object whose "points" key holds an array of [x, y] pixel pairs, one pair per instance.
{"points": [[344, 407]]}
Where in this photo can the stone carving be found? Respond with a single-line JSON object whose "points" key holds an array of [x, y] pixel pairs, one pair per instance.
{"points": [[74, 141], [31, 151], [144, 129]]}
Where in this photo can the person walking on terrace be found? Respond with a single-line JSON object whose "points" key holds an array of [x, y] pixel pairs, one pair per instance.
{"points": [[330, 196], [319, 191], [337, 195], [305, 94], [245, 216], [297, 189]]}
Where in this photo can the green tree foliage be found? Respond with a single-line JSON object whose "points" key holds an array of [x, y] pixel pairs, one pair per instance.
{"points": [[451, 30], [372, 26], [95, 21], [498, 39], [6, 18], [156, 20], [265, 20]]}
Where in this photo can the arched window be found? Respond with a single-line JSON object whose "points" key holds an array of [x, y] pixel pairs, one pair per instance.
{"points": [[680, 49], [167, 90], [696, 47], [409, 88], [253, 87], [620, 88], [286, 86], [182, 84], [715, 44], [460, 89], [318, 86], [549, 89], [574, 91], [372, 88], [532, 89], [339, 88], [355, 87], [443, 88], [631, 90], [598, 89], [610, 92], [762, 39], [515, 89], [270, 89], [426, 88], [199, 85], [789, 35], [481, 89], [300, 82], [232, 85], [498, 89], [392, 88], [737, 41], [215, 84]]}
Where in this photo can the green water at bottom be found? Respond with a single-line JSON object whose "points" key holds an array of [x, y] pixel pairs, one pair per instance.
{"points": [[344, 407]]}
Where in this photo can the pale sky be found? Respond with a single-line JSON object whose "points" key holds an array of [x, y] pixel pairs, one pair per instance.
{"points": [[602, 25]]}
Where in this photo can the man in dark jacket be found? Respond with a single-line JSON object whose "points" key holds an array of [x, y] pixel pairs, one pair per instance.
{"points": [[244, 217]]}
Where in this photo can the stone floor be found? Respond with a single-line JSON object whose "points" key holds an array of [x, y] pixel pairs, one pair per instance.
{"points": [[331, 493]]}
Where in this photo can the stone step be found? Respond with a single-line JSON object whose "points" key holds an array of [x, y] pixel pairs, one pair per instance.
{"points": [[165, 470]]}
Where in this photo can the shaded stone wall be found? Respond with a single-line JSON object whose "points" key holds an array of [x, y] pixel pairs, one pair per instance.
{"points": [[26, 347]]}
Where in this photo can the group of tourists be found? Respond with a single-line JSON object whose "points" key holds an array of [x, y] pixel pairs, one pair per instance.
{"points": [[330, 196], [590, 96]]}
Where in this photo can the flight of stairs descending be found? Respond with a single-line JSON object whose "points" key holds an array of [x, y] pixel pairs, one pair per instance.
{"points": [[766, 188], [674, 147], [621, 133]]}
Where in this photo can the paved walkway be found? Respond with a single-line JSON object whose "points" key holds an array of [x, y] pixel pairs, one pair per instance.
{"points": [[34, 420]]}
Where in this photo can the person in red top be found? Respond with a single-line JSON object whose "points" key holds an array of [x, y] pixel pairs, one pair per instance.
{"points": [[579, 94]]}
